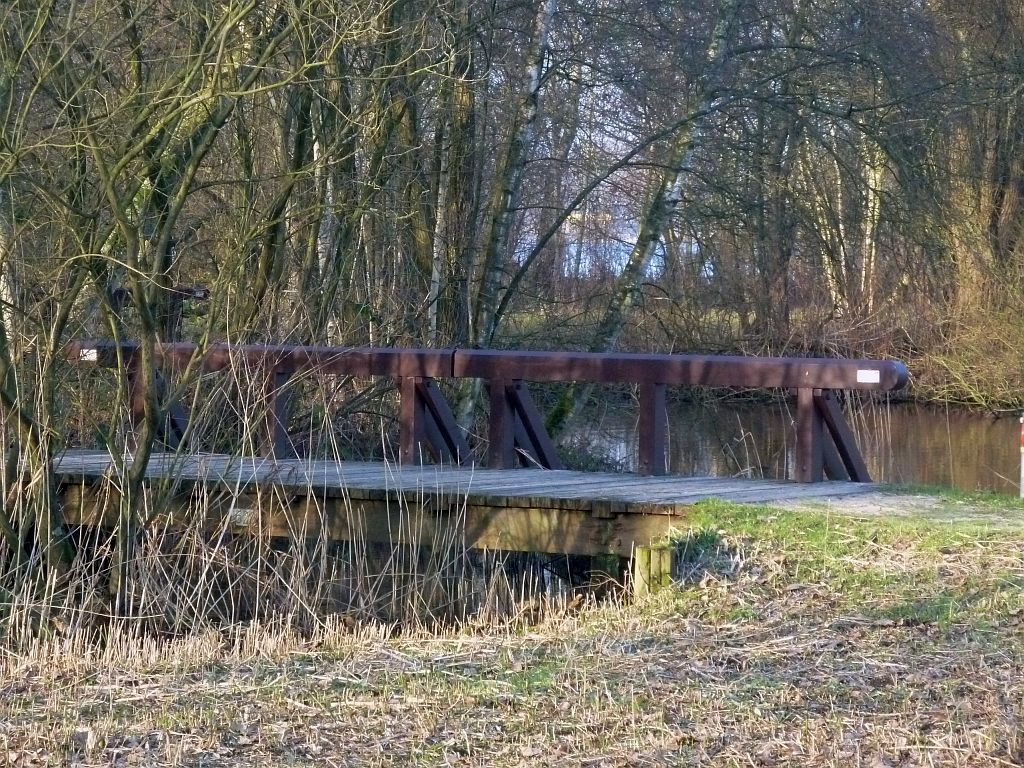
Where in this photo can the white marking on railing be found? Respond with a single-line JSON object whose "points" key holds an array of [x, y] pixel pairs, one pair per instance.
{"points": [[865, 376], [89, 355]]}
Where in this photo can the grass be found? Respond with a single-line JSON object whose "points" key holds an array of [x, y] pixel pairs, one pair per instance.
{"points": [[791, 639], [959, 496]]}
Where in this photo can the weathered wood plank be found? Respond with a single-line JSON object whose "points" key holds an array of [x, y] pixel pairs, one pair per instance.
{"points": [[600, 493], [391, 521]]}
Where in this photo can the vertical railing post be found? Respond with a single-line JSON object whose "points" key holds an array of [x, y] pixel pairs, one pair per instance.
{"points": [[412, 430], [276, 383], [652, 429], [810, 454], [501, 452]]}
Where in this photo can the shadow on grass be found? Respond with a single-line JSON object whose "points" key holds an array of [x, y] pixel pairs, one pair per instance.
{"points": [[700, 553], [978, 606]]}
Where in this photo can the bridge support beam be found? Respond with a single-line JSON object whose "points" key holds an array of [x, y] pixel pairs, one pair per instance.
{"points": [[845, 446], [428, 423], [825, 444], [517, 429]]}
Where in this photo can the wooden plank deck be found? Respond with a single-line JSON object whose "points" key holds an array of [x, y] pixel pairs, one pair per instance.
{"points": [[543, 510]]}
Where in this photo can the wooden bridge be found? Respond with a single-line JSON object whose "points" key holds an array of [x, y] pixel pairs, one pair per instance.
{"points": [[541, 508]]}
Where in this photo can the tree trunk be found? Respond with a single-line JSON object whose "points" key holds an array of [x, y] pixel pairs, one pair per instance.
{"points": [[487, 276], [508, 180], [453, 219], [665, 199]]}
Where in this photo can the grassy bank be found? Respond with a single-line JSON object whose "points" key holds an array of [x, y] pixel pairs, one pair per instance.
{"points": [[794, 638]]}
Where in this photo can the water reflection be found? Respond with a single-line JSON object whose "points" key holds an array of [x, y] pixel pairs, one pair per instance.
{"points": [[901, 443]]}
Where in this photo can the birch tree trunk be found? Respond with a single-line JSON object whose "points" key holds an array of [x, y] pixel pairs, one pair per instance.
{"points": [[8, 70], [508, 181], [488, 274], [8, 524], [7, 293], [873, 163]]}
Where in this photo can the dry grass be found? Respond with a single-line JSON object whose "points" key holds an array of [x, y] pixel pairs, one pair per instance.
{"points": [[791, 640]]}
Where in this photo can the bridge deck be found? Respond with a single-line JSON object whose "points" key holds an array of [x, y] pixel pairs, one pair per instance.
{"points": [[527, 509]]}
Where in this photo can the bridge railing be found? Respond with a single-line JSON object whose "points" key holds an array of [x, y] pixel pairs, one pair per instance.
{"points": [[825, 445]]}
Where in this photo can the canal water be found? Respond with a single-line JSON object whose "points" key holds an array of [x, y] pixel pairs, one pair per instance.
{"points": [[902, 443]]}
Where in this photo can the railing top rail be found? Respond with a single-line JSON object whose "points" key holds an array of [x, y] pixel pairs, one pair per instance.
{"points": [[288, 358], [692, 370], [613, 367]]}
